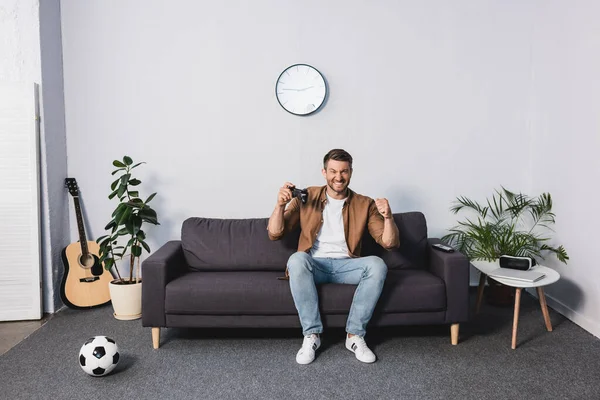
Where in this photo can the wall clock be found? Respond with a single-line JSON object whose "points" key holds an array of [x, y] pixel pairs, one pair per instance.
{"points": [[301, 89]]}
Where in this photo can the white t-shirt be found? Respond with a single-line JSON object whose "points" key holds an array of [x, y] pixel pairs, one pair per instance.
{"points": [[331, 241]]}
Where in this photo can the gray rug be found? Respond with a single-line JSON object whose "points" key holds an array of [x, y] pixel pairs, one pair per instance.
{"points": [[413, 362]]}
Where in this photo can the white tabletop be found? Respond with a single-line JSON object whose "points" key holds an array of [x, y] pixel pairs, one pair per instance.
{"points": [[487, 267]]}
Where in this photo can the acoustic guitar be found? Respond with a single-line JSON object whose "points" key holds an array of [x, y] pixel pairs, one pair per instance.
{"points": [[85, 281]]}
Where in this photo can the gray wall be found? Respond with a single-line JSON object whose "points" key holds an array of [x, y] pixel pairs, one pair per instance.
{"points": [[565, 148], [433, 99], [429, 99], [56, 201]]}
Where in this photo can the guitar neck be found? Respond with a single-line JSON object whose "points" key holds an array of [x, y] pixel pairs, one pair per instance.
{"points": [[80, 228]]}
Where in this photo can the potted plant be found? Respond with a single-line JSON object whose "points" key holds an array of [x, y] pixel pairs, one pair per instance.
{"points": [[126, 240], [507, 224]]}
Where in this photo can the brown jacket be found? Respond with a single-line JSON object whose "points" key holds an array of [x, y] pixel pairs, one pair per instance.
{"points": [[359, 212]]}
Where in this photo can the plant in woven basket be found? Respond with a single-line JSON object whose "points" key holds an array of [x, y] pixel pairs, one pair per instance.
{"points": [[507, 224], [126, 238]]}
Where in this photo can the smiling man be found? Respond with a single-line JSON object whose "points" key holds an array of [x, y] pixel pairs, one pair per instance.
{"points": [[332, 221]]}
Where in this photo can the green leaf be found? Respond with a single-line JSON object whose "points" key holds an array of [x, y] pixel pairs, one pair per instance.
{"points": [[119, 213], [148, 215], [134, 193], [125, 217], [121, 190], [137, 165], [110, 225], [560, 252], [150, 198], [117, 170], [129, 227], [113, 194], [141, 235], [124, 179], [120, 207], [134, 182], [134, 203], [108, 263], [102, 238], [145, 246], [136, 251], [127, 160], [103, 241], [113, 185], [133, 225], [119, 164]]}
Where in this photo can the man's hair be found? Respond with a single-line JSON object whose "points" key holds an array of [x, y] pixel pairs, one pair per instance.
{"points": [[337, 155]]}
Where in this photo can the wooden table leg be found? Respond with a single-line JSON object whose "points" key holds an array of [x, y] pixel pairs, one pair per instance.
{"points": [[516, 317], [544, 306], [480, 288]]}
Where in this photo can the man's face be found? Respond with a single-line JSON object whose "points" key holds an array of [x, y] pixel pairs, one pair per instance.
{"points": [[337, 174]]}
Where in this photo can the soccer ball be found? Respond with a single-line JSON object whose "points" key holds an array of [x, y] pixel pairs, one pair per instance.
{"points": [[99, 356]]}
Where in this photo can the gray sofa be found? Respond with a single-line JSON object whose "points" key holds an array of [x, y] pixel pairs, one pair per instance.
{"points": [[224, 273]]}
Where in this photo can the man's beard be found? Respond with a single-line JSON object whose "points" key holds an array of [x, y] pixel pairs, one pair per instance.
{"points": [[344, 186]]}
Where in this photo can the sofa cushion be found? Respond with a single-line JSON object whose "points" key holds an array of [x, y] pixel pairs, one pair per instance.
{"points": [[261, 293], [234, 244], [413, 243], [211, 244]]}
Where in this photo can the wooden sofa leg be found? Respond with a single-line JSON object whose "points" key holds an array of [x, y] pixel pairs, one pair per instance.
{"points": [[454, 334], [155, 337]]}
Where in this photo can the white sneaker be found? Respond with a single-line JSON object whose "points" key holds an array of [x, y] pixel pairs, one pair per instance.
{"points": [[358, 346], [306, 354]]}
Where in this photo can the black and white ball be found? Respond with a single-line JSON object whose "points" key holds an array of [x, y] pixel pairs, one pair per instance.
{"points": [[99, 356]]}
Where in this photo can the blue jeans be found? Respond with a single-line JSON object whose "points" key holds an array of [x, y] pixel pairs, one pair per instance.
{"points": [[306, 273]]}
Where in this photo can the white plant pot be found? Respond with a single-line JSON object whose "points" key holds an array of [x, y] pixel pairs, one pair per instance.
{"points": [[126, 300]]}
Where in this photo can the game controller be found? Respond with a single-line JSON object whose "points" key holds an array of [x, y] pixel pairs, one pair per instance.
{"points": [[302, 194]]}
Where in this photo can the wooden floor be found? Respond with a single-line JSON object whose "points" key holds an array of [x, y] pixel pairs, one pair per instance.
{"points": [[11, 333]]}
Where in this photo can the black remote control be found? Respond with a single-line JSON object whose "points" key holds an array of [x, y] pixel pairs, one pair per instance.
{"points": [[441, 247]]}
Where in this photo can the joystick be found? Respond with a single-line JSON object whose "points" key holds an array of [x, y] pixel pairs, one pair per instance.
{"points": [[302, 194]]}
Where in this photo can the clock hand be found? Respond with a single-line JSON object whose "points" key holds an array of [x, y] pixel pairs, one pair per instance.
{"points": [[297, 90], [306, 88]]}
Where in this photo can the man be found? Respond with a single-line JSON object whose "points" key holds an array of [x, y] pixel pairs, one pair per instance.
{"points": [[332, 222]]}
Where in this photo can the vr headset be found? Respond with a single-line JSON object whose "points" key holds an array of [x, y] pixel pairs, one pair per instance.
{"points": [[520, 263]]}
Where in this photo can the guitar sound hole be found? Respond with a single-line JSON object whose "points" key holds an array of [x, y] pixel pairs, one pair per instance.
{"points": [[87, 262]]}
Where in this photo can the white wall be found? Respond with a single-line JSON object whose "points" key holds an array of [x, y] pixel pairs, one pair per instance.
{"points": [[428, 98], [566, 142], [20, 46], [22, 60], [431, 99]]}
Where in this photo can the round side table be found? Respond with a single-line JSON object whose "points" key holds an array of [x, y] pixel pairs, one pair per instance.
{"points": [[486, 267]]}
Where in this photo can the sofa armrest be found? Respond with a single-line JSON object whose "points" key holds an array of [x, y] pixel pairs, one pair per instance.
{"points": [[164, 265], [453, 269]]}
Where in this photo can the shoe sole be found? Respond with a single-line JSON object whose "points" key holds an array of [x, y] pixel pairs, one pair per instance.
{"points": [[308, 362], [366, 362], [305, 363]]}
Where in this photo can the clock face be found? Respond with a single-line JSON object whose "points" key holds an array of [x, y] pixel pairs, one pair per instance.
{"points": [[301, 89]]}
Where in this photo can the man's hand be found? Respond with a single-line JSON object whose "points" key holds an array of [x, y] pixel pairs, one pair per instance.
{"points": [[285, 194], [390, 238], [384, 208]]}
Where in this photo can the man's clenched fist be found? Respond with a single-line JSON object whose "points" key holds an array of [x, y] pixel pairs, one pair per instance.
{"points": [[384, 208]]}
